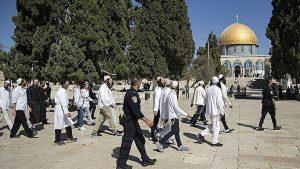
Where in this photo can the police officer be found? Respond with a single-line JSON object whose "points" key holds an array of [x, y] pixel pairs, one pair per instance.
{"points": [[132, 129], [268, 106]]}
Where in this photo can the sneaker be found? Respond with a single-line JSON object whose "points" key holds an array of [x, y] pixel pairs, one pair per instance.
{"points": [[260, 129], [73, 140], [118, 133], [124, 166], [169, 142], [201, 138], [277, 128], [148, 162], [160, 147], [96, 133], [59, 143], [81, 128], [217, 145], [228, 130], [183, 148]]}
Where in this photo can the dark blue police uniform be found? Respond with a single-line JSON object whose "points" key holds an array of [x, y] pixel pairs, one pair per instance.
{"points": [[132, 129]]}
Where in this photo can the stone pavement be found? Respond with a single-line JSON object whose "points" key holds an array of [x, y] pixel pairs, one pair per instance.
{"points": [[243, 148]]}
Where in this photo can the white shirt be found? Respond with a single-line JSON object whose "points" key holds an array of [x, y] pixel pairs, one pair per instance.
{"points": [[19, 97], [224, 95], [172, 106], [214, 102], [156, 98], [5, 97], [106, 99], [77, 96], [85, 95], [199, 96], [163, 103]]}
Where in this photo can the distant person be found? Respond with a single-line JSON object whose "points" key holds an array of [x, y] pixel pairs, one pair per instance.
{"points": [[280, 92], [238, 89], [268, 106], [94, 100], [187, 90], [48, 93], [84, 92], [215, 109]]}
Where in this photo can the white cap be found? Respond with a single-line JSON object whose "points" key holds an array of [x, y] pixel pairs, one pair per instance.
{"points": [[174, 84], [106, 77], [201, 82], [19, 81], [7, 81], [220, 76], [158, 78], [215, 80]]}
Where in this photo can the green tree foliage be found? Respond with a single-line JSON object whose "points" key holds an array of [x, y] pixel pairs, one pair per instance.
{"points": [[68, 62], [162, 42], [284, 32], [214, 51]]}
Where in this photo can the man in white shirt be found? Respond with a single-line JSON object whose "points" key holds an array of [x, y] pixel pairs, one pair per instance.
{"points": [[5, 103], [173, 117], [156, 101], [199, 100], [78, 102], [215, 109], [226, 100], [106, 101], [19, 105]]}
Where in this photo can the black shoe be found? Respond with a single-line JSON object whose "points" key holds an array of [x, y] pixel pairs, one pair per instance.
{"points": [[71, 140], [118, 133], [277, 128], [201, 138], [34, 133], [205, 122], [228, 130], [45, 123], [260, 129], [217, 145], [15, 136], [59, 143], [193, 125], [124, 166], [149, 162]]}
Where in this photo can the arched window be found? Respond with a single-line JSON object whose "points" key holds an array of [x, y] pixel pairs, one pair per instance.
{"points": [[237, 63], [227, 64], [259, 65], [248, 64]]}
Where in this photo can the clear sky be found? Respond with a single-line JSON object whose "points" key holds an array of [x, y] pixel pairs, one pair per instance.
{"points": [[205, 16]]}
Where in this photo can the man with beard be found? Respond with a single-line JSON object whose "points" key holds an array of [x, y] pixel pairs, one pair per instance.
{"points": [[36, 102], [5, 101]]}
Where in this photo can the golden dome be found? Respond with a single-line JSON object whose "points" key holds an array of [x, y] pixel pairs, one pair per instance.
{"points": [[236, 34]]}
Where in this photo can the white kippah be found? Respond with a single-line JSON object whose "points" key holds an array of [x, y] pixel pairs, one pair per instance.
{"points": [[19, 81], [220, 76], [106, 77], [215, 80], [7, 81], [174, 84], [158, 78]]}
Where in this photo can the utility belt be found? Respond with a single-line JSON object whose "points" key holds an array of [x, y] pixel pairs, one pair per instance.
{"points": [[123, 119]]}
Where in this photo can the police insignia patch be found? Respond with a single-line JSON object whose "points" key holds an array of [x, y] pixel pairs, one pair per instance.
{"points": [[134, 99]]}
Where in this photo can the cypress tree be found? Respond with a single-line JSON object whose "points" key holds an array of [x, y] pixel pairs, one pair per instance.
{"points": [[284, 32]]}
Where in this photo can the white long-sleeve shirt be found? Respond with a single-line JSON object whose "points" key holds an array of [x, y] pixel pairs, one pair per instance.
{"points": [[225, 97], [19, 97], [5, 97], [106, 99], [199, 96], [172, 106], [77, 96], [156, 98], [214, 102], [163, 103], [85, 95]]}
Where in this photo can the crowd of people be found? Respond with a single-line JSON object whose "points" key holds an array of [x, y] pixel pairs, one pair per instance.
{"points": [[211, 100]]}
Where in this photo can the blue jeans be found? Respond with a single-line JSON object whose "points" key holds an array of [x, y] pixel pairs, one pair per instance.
{"points": [[80, 117]]}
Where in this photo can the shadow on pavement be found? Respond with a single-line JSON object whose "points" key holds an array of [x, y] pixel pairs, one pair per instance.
{"points": [[116, 153], [247, 125]]}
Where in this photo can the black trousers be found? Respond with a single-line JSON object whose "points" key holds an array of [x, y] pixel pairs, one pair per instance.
{"points": [[58, 134], [272, 113], [92, 110], [223, 120], [20, 119], [155, 123], [132, 132], [200, 113], [37, 112], [174, 131], [43, 116]]}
